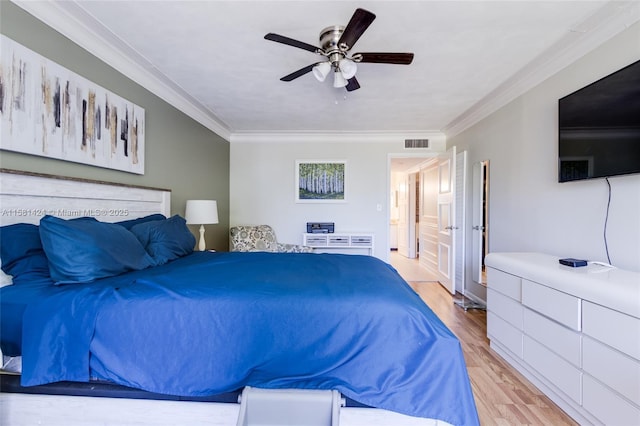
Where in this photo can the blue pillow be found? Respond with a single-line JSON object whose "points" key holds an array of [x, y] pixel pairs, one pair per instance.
{"points": [[21, 252], [165, 240], [133, 222], [82, 251]]}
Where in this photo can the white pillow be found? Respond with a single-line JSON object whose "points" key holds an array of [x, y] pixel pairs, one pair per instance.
{"points": [[4, 278]]}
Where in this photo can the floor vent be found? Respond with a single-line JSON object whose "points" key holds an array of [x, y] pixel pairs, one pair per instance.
{"points": [[416, 143]]}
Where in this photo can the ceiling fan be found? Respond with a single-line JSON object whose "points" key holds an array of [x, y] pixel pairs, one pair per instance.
{"points": [[336, 42]]}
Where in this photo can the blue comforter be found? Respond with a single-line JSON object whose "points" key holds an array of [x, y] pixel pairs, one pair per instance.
{"points": [[215, 322]]}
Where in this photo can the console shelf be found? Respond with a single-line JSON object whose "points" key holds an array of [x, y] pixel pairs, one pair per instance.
{"points": [[339, 241]]}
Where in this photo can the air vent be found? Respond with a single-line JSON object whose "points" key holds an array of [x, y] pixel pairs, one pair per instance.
{"points": [[416, 143]]}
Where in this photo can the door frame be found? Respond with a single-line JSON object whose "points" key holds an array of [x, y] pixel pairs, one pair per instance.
{"points": [[425, 156]]}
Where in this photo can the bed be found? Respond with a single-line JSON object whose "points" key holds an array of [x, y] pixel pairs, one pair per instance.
{"points": [[196, 324]]}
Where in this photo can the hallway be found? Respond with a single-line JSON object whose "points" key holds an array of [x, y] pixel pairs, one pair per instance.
{"points": [[410, 269]]}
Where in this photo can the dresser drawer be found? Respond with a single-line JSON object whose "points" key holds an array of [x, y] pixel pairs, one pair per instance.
{"points": [[616, 370], [505, 307], [612, 327], [560, 339], [507, 284], [552, 303], [606, 405], [553, 368], [501, 332]]}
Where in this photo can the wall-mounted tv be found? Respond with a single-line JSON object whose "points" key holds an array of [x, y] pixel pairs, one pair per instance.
{"points": [[599, 128]]}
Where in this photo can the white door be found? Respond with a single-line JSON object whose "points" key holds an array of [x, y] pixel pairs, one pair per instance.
{"points": [[459, 228], [446, 219], [403, 217], [428, 224], [411, 216]]}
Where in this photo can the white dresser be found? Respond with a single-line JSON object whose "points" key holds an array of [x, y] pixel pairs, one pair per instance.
{"points": [[573, 332]]}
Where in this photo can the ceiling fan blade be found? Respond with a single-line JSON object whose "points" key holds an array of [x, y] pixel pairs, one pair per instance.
{"points": [[299, 73], [358, 24], [352, 84], [384, 58], [291, 42]]}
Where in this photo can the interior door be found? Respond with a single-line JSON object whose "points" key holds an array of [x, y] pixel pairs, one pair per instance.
{"points": [[446, 219], [403, 217], [411, 216], [428, 224], [460, 227]]}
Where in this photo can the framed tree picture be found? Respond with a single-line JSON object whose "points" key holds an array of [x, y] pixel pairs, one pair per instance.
{"points": [[321, 181]]}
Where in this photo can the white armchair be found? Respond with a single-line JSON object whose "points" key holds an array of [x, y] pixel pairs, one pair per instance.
{"points": [[261, 238]]}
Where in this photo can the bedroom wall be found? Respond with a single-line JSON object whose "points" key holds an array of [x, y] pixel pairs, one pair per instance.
{"points": [[181, 154], [528, 209], [263, 184]]}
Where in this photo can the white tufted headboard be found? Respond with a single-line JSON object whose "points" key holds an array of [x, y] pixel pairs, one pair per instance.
{"points": [[25, 197]]}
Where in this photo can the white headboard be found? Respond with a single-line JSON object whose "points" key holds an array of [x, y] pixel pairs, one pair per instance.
{"points": [[25, 197]]}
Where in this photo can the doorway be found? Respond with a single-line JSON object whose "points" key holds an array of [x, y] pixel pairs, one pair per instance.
{"points": [[405, 218], [480, 228], [427, 200]]}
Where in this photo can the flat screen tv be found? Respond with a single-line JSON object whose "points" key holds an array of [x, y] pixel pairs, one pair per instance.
{"points": [[599, 128]]}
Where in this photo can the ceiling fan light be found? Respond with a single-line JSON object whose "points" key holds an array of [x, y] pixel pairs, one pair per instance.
{"points": [[348, 68], [339, 80], [321, 70]]}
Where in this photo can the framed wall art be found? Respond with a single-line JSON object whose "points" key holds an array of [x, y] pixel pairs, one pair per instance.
{"points": [[50, 111], [321, 181]]}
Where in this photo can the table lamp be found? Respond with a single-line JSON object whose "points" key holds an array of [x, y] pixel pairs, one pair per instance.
{"points": [[201, 212]]}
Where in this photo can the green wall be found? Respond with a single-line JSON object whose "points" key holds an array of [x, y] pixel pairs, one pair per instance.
{"points": [[181, 154]]}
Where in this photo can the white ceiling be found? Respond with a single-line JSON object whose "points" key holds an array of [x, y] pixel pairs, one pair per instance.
{"points": [[213, 55]]}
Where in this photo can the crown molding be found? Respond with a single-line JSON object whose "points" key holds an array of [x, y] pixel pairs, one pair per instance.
{"points": [[608, 21], [337, 137], [70, 20]]}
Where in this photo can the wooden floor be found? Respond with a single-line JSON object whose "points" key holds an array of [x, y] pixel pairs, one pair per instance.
{"points": [[503, 396]]}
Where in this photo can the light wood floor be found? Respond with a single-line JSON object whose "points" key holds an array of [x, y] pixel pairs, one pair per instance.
{"points": [[503, 396]]}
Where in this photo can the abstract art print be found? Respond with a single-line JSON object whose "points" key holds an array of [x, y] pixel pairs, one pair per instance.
{"points": [[50, 111], [320, 181]]}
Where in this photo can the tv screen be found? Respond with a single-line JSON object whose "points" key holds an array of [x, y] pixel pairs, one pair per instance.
{"points": [[599, 128]]}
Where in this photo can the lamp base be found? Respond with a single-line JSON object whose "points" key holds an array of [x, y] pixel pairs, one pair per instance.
{"points": [[201, 244]]}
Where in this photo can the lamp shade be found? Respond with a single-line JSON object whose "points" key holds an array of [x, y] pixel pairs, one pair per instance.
{"points": [[348, 68], [321, 70], [201, 212], [339, 80]]}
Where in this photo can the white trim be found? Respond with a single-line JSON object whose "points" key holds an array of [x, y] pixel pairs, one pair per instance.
{"points": [[608, 21], [72, 21], [436, 138]]}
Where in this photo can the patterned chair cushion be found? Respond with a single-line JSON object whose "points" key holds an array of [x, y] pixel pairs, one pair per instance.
{"points": [[261, 238]]}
